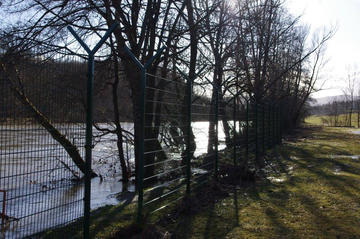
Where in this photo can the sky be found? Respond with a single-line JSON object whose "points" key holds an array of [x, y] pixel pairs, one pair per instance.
{"points": [[343, 50]]}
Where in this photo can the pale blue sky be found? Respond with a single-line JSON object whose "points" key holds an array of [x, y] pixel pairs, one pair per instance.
{"points": [[343, 50]]}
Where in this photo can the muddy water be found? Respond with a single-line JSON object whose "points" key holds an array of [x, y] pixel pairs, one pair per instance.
{"points": [[57, 207], [40, 194]]}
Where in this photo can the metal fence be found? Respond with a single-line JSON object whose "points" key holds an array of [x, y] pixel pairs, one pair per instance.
{"points": [[183, 139], [39, 182], [183, 135], [179, 155]]}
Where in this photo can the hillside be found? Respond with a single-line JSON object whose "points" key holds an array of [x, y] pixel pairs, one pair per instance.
{"points": [[327, 100]]}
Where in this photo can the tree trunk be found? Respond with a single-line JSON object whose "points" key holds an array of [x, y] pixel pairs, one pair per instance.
{"points": [[70, 148], [211, 131], [226, 126], [118, 130]]}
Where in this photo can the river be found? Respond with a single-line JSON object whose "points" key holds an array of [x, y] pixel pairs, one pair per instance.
{"points": [[40, 194]]}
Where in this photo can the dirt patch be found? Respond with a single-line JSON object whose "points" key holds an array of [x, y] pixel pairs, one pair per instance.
{"points": [[301, 134], [236, 175], [149, 232]]}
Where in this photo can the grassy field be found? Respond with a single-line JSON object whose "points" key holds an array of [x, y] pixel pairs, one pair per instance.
{"points": [[313, 192], [311, 189], [318, 119]]}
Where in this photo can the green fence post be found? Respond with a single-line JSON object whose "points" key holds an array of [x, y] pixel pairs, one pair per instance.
{"points": [[141, 145], [189, 85], [216, 88], [235, 134], [89, 122], [279, 119], [256, 132], [140, 181], [263, 128], [273, 126], [280, 124], [188, 139], [247, 130], [277, 124], [269, 126], [271, 133]]}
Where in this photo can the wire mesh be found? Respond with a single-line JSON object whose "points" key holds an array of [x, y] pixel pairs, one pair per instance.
{"points": [[42, 183], [40, 179], [168, 136], [164, 141], [257, 130], [206, 126]]}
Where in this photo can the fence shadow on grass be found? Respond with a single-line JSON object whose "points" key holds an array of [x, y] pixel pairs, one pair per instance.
{"points": [[105, 221], [313, 201]]}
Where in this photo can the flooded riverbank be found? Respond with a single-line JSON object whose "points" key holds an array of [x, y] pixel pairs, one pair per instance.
{"points": [[41, 193]]}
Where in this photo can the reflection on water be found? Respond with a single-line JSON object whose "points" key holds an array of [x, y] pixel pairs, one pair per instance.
{"points": [[201, 137], [66, 204]]}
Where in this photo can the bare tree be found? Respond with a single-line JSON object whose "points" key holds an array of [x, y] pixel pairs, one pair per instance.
{"points": [[218, 43], [349, 93], [145, 26], [15, 79], [334, 114], [257, 41]]}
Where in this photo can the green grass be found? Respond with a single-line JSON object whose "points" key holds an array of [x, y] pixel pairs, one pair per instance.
{"points": [[312, 202], [310, 193], [314, 120], [319, 119], [105, 223]]}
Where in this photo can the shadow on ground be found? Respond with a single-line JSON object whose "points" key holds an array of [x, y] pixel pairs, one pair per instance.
{"points": [[317, 196]]}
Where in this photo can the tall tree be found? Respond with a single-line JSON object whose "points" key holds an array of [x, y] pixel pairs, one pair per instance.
{"points": [[145, 26]]}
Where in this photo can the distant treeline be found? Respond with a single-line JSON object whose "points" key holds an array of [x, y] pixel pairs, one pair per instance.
{"points": [[58, 90], [336, 107]]}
